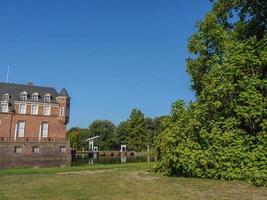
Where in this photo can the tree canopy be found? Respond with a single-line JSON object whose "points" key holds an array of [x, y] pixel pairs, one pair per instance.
{"points": [[136, 132], [223, 133], [106, 130]]}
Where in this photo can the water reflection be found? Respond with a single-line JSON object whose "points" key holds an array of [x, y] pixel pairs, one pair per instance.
{"points": [[123, 158], [90, 161], [94, 158]]}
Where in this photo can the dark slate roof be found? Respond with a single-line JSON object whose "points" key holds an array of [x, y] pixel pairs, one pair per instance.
{"points": [[14, 91], [64, 93]]}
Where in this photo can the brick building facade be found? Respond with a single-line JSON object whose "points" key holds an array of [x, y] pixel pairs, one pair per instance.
{"points": [[33, 124]]}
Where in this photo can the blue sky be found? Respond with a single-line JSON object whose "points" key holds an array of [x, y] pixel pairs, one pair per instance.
{"points": [[112, 56]]}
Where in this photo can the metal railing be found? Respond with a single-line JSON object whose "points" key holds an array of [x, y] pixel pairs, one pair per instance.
{"points": [[32, 139]]}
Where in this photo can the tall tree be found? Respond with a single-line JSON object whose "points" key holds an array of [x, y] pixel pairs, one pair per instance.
{"points": [[153, 128], [150, 128], [77, 136], [106, 130], [137, 131], [122, 132], [223, 134]]}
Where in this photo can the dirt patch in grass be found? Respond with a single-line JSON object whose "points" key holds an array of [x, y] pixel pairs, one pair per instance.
{"points": [[141, 175], [88, 172]]}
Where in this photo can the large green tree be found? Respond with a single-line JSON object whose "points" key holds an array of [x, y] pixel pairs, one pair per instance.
{"points": [[223, 133], [137, 134], [122, 132], [77, 136], [106, 130], [153, 128]]}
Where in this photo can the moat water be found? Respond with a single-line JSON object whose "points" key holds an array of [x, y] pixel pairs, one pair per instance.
{"points": [[86, 159]]}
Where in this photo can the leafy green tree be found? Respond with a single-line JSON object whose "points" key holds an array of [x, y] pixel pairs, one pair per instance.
{"points": [[153, 128], [122, 132], [77, 136], [137, 135], [222, 134], [106, 130], [158, 126], [138, 132], [150, 128]]}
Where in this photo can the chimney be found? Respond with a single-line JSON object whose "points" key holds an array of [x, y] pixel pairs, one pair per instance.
{"points": [[30, 83]]}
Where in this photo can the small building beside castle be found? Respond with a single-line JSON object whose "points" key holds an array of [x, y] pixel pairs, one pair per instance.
{"points": [[33, 122]]}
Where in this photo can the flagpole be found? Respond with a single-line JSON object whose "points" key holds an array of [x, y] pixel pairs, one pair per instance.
{"points": [[7, 75]]}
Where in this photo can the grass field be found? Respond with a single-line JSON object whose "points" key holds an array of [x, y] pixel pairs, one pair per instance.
{"points": [[116, 182]]}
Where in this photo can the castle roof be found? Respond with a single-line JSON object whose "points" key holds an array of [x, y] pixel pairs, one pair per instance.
{"points": [[64, 93], [14, 91]]}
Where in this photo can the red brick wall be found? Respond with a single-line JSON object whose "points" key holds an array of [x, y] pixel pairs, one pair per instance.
{"points": [[56, 124], [49, 155], [5, 120], [32, 125]]}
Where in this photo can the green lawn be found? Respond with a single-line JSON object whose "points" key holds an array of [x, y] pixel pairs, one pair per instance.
{"points": [[115, 182]]}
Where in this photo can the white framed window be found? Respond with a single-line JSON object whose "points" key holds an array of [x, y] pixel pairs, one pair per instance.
{"points": [[24, 96], [22, 108], [62, 149], [35, 97], [44, 130], [35, 149], [20, 129], [34, 109], [17, 149], [47, 110], [4, 107], [62, 111], [47, 98], [5, 97]]}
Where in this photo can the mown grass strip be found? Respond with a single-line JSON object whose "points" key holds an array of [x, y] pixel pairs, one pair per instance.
{"points": [[127, 166]]}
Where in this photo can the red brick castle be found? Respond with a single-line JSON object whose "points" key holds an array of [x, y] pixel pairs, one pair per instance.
{"points": [[33, 123]]}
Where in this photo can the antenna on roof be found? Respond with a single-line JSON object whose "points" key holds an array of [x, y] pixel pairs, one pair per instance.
{"points": [[7, 74]]}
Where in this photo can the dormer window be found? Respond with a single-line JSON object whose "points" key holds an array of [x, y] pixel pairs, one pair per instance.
{"points": [[24, 96], [4, 107], [35, 96], [47, 98], [5, 97]]}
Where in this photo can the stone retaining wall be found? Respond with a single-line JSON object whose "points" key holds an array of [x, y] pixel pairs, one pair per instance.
{"points": [[51, 154]]}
